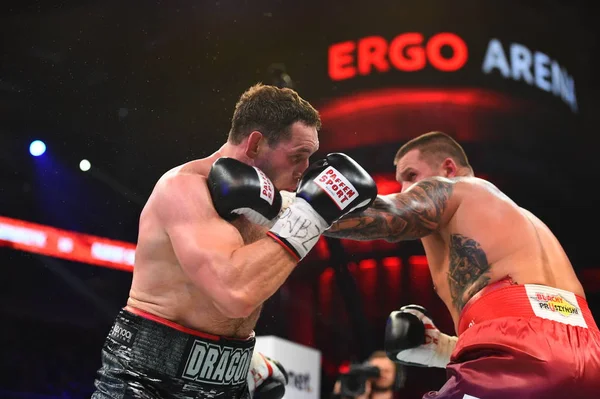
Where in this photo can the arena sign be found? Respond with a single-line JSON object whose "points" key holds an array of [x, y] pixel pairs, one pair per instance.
{"points": [[412, 51]]}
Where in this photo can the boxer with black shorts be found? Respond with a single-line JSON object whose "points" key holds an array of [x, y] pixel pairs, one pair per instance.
{"points": [[217, 238], [524, 327]]}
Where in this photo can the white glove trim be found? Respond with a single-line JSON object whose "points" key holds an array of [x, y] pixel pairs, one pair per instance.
{"points": [[437, 349], [300, 226]]}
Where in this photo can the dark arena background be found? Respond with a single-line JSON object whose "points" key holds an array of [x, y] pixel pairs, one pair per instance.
{"points": [[135, 88]]}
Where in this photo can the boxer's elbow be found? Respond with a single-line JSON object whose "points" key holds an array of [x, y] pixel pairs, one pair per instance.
{"points": [[235, 305]]}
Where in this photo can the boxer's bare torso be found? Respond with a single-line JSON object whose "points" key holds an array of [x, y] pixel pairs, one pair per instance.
{"points": [[488, 237], [160, 285], [473, 235]]}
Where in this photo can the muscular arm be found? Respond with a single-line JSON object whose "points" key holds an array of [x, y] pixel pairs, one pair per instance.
{"points": [[414, 214], [237, 278]]}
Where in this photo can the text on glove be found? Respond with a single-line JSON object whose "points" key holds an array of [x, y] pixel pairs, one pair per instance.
{"points": [[341, 191]]}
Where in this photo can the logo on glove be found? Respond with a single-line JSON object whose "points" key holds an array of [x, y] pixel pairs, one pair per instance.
{"points": [[335, 184], [266, 190]]}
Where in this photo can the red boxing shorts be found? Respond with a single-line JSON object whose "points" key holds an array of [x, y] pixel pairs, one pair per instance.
{"points": [[524, 341]]}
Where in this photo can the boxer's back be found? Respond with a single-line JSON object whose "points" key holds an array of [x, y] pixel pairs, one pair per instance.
{"points": [[160, 286], [488, 238]]}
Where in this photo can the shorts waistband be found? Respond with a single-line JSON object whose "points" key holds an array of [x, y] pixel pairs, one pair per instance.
{"points": [[179, 327], [507, 299], [150, 345]]}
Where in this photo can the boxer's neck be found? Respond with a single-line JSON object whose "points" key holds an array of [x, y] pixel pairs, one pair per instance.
{"points": [[233, 151]]}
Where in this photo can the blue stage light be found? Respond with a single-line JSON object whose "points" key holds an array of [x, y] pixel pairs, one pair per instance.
{"points": [[37, 148]]}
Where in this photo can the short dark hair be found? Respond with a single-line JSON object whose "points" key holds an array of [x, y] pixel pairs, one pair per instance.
{"points": [[271, 111], [437, 145]]}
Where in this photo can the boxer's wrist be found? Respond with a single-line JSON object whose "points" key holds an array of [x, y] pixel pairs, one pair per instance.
{"points": [[287, 198], [443, 350], [299, 227]]}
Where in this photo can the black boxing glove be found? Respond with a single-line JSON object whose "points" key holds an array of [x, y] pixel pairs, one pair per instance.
{"points": [[329, 189], [240, 189], [412, 339]]}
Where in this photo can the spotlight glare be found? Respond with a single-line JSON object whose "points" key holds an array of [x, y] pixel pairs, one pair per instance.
{"points": [[37, 148], [85, 165]]}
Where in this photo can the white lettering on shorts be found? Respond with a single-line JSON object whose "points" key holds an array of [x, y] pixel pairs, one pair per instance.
{"points": [[469, 397], [555, 304], [335, 184], [123, 334], [267, 191], [217, 364]]}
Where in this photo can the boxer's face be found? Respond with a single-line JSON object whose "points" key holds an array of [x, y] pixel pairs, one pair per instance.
{"points": [[285, 162], [412, 167], [387, 372]]}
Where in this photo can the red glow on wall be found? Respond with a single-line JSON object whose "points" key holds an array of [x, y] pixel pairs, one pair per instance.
{"points": [[392, 283], [322, 249], [418, 260], [387, 184], [367, 283], [367, 264], [392, 263], [362, 247], [327, 276], [395, 115], [325, 291], [357, 246], [404, 97], [407, 52], [352, 268], [421, 284]]}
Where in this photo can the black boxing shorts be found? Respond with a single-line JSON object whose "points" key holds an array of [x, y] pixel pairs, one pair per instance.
{"points": [[145, 356]]}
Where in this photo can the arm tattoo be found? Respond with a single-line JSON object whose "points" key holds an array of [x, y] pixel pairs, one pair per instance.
{"points": [[469, 269], [413, 214]]}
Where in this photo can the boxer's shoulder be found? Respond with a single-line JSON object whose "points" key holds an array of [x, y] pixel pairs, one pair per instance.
{"points": [[196, 170], [441, 195], [176, 193], [475, 190], [472, 184], [181, 180]]}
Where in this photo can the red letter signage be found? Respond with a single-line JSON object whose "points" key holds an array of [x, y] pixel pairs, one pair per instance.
{"points": [[407, 52]]}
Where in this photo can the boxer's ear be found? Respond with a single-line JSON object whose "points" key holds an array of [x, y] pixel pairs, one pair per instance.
{"points": [[253, 144], [449, 167]]}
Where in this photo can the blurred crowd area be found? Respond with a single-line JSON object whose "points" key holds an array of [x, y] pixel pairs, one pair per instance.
{"points": [[48, 360]]}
